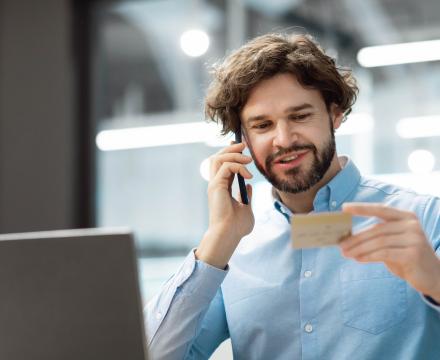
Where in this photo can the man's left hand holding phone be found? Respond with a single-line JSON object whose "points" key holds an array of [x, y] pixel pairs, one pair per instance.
{"points": [[230, 219]]}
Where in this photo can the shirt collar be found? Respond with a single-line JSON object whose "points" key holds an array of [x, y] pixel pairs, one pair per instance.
{"points": [[333, 194]]}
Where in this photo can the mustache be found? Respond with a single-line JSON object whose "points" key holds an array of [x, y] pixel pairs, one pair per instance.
{"points": [[292, 148]]}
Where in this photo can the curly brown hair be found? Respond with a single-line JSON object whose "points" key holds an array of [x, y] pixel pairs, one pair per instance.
{"points": [[266, 56]]}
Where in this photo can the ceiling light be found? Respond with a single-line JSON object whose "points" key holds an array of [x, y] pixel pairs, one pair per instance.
{"points": [[161, 135], [205, 167], [415, 127], [399, 53], [356, 123], [421, 161], [194, 43]]}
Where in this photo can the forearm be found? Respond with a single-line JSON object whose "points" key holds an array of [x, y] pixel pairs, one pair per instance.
{"points": [[174, 315], [216, 249], [431, 291], [177, 331], [434, 292]]}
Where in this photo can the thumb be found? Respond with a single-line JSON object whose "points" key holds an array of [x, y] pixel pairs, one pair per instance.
{"points": [[249, 191]]}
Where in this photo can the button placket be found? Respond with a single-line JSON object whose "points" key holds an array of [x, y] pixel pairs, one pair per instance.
{"points": [[308, 304]]}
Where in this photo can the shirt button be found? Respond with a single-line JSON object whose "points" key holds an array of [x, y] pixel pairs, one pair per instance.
{"points": [[334, 203], [308, 328], [307, 273], [158, 315]]}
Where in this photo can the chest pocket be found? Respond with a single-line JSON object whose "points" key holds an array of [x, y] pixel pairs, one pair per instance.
{"points": [[373, 299]]}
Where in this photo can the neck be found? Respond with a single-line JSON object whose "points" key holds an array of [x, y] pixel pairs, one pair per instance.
{"points": [[303, 201]]}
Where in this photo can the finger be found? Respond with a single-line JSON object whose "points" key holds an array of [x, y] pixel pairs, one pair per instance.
{"points": [[237, 147], [249, 191], [229, 169], [218, 160], [381, 229], [378, 210], [380, 242], [386, 255], [230, 182]]}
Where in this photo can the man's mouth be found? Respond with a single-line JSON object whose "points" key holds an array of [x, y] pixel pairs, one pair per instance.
{"points": [[290, 160], [289, 157]]}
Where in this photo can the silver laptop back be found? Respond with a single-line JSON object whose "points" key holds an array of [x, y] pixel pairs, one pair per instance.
{"points": [[70, 295]]}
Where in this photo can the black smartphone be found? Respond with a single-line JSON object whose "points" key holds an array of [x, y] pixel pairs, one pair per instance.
{"points": [[241, 184]]}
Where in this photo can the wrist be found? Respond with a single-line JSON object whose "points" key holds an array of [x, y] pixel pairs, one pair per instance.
{"points": [[210, 259], [215, 249], [435, 293]]}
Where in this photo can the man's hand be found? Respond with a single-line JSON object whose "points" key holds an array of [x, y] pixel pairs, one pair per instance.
{"points": [[399, 242], [229, 219]]}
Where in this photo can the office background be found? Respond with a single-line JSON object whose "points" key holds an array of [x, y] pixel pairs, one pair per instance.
{"points": [[72, 72]]}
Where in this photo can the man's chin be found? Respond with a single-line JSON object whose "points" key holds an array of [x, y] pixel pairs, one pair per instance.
{"points": [[291, 188], [289, 175], [287, 184], [293, 182]]}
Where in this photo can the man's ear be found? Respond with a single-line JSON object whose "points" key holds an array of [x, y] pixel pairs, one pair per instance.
{"points": [[337, 115]]}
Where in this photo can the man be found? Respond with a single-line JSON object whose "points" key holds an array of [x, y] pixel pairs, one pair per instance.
{"points": [[376, 296]]}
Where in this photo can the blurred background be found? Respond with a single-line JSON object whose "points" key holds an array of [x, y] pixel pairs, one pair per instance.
{"points": [[101, 107]]}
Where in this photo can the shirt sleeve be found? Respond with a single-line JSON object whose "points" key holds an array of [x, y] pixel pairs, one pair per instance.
{"points": [[213, 332], [431, 226], [179, 314]]}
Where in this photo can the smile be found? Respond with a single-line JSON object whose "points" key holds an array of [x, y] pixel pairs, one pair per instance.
{"points": [[290, 161]]}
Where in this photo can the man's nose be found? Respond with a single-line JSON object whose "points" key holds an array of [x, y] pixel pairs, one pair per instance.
{"points": [[285, 135]]}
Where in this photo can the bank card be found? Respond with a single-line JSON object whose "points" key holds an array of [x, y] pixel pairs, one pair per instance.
{"points": [[320, 229]]}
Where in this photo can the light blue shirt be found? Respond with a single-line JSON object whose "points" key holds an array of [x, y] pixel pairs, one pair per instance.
{"points": [[276, 302]]}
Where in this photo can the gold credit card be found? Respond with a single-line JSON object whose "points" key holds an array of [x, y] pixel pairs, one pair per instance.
{"points": [[320, 229]]}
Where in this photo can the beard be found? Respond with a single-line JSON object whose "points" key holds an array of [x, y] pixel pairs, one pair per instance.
{"points": [[299, 179]]}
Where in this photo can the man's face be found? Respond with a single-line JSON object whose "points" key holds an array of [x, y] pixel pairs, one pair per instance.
{"points": [[290, 133]]}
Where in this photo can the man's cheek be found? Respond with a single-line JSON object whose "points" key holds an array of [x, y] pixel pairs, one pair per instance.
{"points": [[260, 163]]}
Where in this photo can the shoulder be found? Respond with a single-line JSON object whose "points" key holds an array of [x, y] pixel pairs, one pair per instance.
{"points": [[383, 187], [375, 190]]}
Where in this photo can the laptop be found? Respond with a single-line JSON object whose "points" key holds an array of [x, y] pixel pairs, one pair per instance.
{"points": [[70, 295]]}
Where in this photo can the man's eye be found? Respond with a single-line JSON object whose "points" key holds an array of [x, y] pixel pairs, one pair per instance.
{"points": [[299, 117], [262, 126]]}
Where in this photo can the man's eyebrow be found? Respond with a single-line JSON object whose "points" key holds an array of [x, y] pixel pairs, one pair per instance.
{"points": [[256, 118], [299, 107], [288, 110]]}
